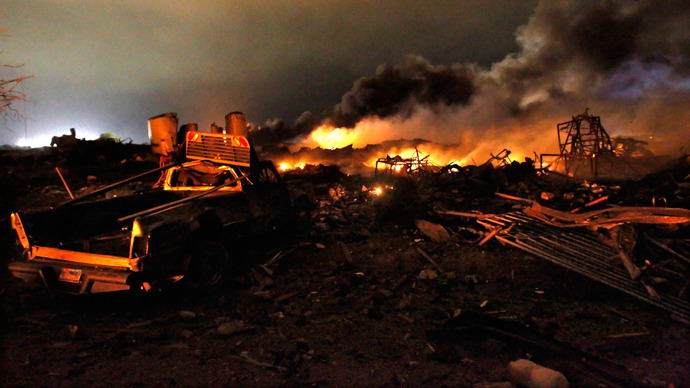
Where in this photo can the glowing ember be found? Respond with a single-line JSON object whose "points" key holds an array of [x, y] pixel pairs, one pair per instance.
{"points": [[287, 166]]}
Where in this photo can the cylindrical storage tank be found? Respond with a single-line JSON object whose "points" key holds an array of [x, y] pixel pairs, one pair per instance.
{"points": [[216, 129], [236, 124], [163, 133]]}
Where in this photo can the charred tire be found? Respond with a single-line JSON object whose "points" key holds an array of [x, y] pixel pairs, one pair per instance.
{"points": [[268, 173], [209, 264]]}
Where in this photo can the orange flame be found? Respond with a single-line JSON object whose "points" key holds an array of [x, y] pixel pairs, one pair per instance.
{"points": [[287, 166], [331, 138], [471, 146]]}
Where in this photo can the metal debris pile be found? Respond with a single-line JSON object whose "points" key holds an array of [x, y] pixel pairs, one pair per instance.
{"points": [[587, 151], [642, 251], [607, 257], [398, 164], [595, 230], [422, 264]]}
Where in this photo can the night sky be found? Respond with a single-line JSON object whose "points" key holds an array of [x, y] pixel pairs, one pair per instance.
{"points": [[455, 71]]}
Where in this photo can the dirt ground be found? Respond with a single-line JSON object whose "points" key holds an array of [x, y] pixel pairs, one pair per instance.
{"points": [[351, 301]]}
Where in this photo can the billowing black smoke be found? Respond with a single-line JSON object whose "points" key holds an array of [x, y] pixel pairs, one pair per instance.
{"points": [[277, 131], [393, 90], [628, 61], [598, 37], [399, 90]]}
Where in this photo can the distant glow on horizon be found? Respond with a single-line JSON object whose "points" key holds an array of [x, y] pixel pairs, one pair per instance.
{"points": [[44, 140], [34, 142]]}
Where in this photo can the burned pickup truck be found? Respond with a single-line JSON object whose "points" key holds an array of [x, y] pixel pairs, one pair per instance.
{"points": [[213, 193]]}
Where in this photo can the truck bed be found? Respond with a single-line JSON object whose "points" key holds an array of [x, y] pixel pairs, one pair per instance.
{"points": [[91, 226]]}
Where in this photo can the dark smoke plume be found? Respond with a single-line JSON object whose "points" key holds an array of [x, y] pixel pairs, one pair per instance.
{"points": [[277, 131], [596, 39], [398, 90], [628, 61], [393, 90]]}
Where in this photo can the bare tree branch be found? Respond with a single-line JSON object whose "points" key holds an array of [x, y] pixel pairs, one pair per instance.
{"points": [[9, 95]]}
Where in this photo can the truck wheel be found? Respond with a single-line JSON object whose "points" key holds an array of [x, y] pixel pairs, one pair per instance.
{"points": [[209, 264], [268, 172]]}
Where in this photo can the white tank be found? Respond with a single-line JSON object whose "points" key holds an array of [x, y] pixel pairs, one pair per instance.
{"points": [[163, 133]]}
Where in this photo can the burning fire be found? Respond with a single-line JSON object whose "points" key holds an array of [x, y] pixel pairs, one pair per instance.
{"points": [[377, 191], [436, 157], [328, 137], [285, 166], [366, 132], [470, 148]]}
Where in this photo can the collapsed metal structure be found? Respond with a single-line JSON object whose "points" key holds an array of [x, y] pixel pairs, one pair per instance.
{"points": [[398, 164], [501, 159], [579, 250], [583, 143]]}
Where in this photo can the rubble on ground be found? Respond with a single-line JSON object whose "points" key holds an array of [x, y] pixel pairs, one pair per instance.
{"points": [[427, 278]]}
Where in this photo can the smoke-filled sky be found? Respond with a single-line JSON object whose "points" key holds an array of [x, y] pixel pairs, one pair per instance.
{"points": [[467, 71]]}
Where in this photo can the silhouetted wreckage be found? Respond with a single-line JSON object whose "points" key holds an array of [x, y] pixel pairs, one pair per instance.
{"points": [[212, 191], [633, 249], [583, 143], [615, 234], [627, 235], [567, 239], [561, 220], [65, 140], [397, 164], [587, 151], [642, 251], [500, 159]]}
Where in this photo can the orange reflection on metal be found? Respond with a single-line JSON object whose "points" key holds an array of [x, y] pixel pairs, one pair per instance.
{"points": [[79, 257]]}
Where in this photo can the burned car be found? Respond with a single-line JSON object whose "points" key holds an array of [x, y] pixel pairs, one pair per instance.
{"points": [[213, 192]]}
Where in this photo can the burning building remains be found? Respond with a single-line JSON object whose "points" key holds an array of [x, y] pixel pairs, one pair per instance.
{"points": [[587, 151], [398, 164], [446, 251], [615, 57], [403, 261]]}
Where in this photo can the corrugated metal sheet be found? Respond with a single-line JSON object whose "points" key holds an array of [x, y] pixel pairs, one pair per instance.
{"points": [[579, 250]]}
